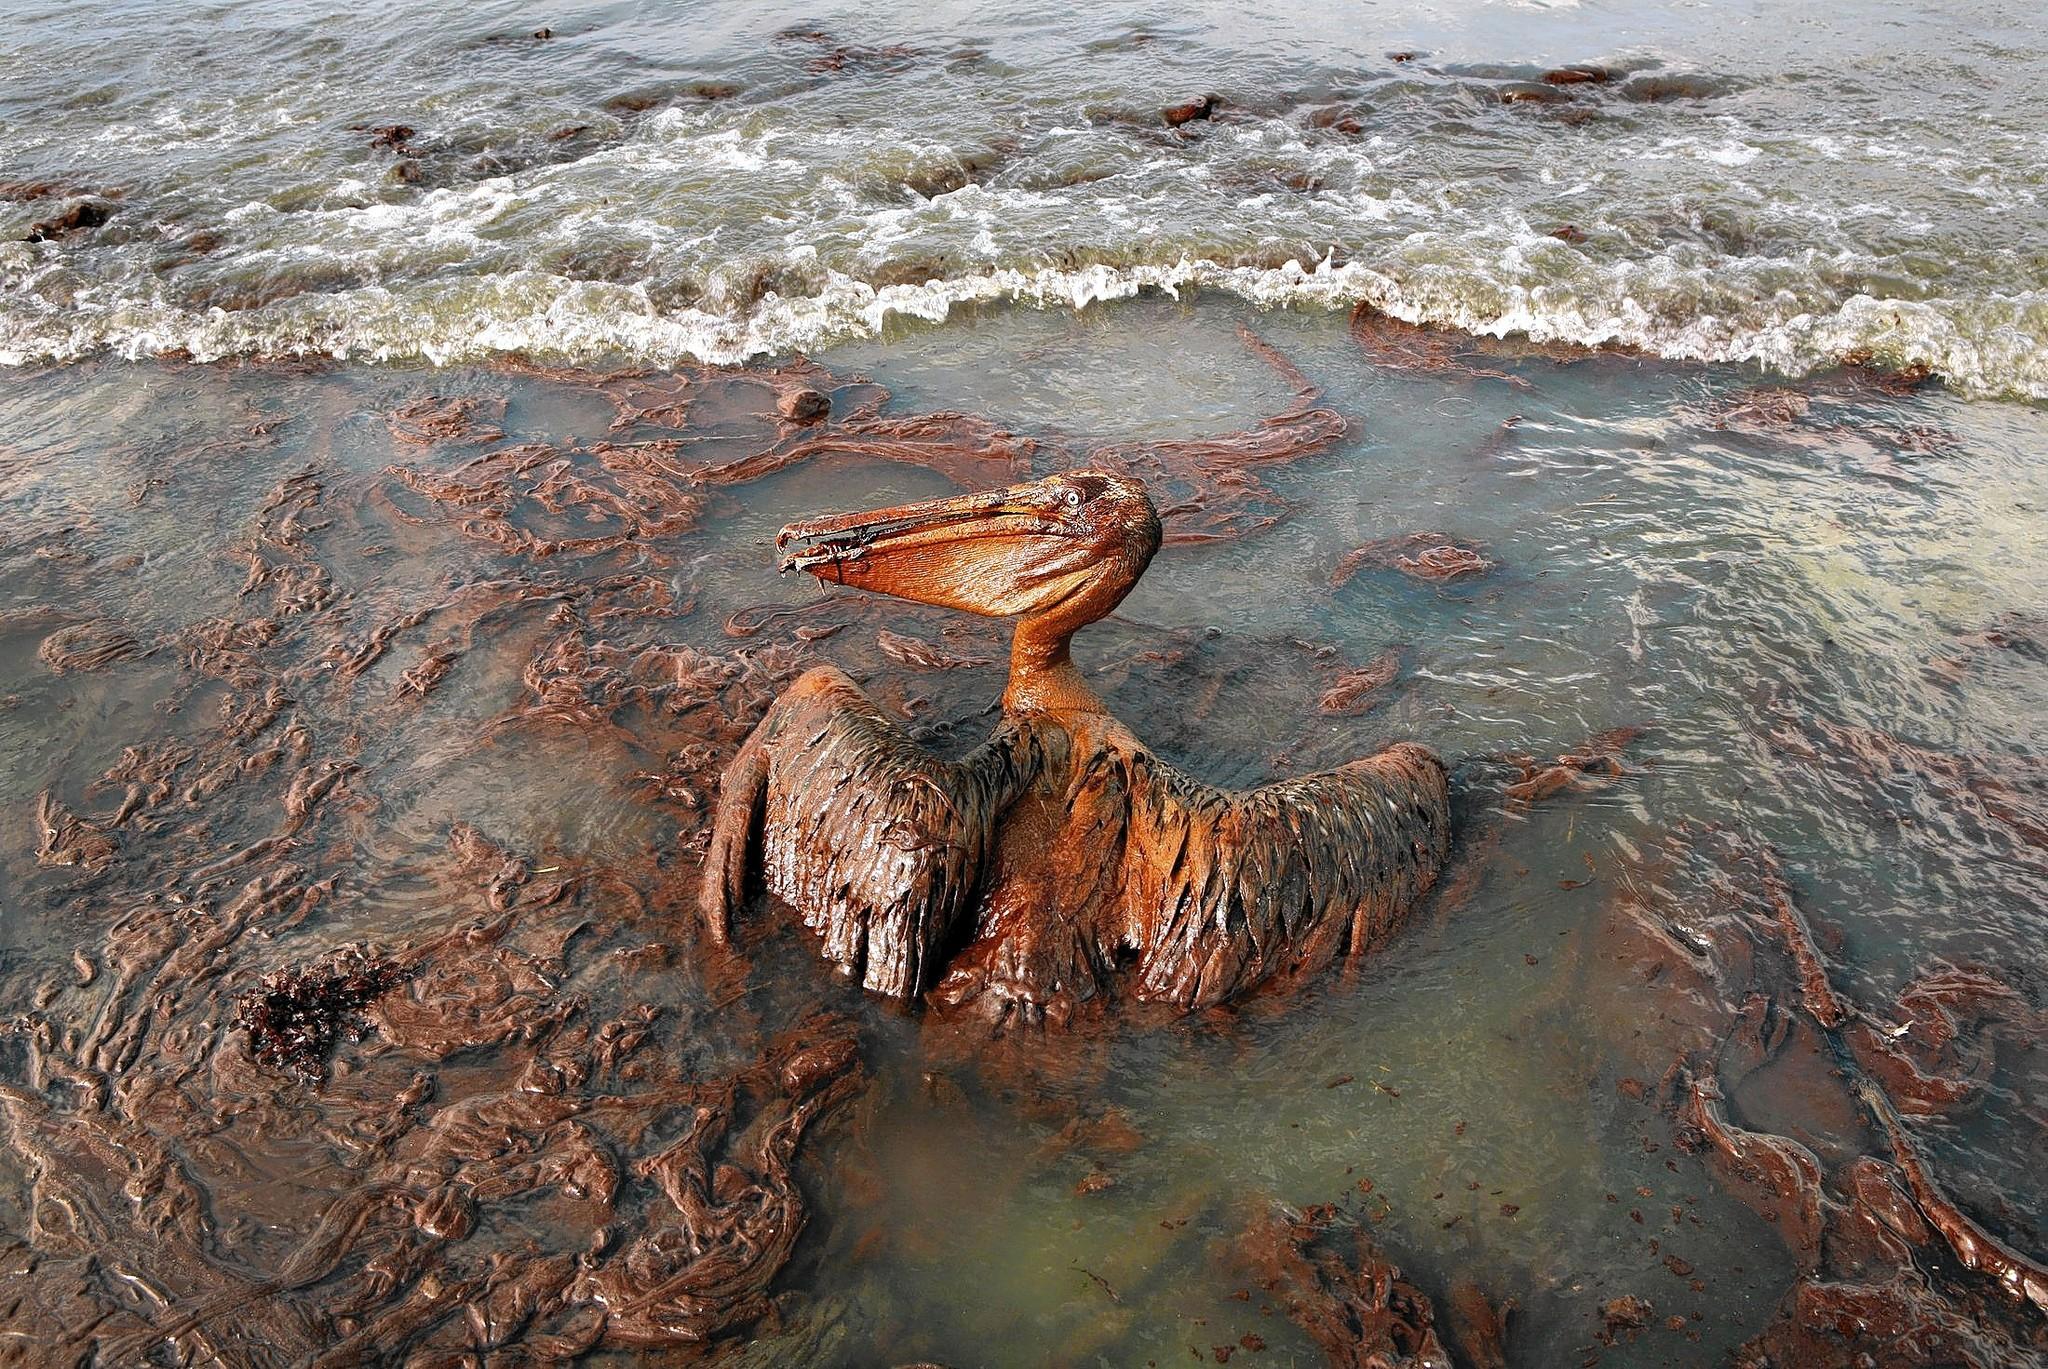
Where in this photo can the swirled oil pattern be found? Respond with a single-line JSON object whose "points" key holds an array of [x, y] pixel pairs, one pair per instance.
{"points": [[361, 729]]}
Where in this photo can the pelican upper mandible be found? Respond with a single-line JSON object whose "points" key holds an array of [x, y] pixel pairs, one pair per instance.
{"points": [[1060, 857]]}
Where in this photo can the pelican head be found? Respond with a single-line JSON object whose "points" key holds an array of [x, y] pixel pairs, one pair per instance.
{"points": [[1066, 548]]}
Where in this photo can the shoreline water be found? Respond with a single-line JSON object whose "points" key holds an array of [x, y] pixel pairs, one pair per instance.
{"points": [[1816, 598], [1642, 408], [575, 323], [752, 188]]}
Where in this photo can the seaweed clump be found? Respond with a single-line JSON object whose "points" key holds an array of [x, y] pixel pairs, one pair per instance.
{"points": [[295, 1015]]}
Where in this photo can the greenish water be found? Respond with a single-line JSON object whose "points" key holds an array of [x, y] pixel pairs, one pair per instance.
{"points": [[1666, 560], [1818, 590]]}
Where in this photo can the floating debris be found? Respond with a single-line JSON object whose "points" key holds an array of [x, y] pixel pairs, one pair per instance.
{"points": [[296, 1016]]}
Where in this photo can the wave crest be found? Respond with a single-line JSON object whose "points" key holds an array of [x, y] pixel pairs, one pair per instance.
{"points": [[1988, 348]]}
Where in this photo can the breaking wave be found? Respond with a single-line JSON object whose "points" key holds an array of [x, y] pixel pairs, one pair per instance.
{"points": [[1980, 347], [511, 196]]}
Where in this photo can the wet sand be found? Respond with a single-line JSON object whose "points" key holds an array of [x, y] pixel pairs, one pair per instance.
{"points": [[362, 726]]}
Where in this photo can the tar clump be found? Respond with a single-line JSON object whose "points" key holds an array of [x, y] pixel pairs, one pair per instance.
{"points": [[296, 1015]]}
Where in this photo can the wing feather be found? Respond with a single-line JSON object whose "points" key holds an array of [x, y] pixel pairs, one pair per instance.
{"points": [[1234, 887], [876, 842]]}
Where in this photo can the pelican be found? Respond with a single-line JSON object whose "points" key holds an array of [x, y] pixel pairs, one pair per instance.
{"points": [[1061, 857]]}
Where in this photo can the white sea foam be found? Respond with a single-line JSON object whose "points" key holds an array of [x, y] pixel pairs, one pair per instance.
{"points": [[715, 232], [1980, 347]]}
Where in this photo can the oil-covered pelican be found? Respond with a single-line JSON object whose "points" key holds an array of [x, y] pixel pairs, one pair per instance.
{"points": [[1061, 854]]}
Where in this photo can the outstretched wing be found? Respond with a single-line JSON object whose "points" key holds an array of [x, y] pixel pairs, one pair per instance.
{"points": [[1224, 889], [875, 841]]}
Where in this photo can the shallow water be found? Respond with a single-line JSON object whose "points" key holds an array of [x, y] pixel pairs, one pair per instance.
{"points": [[1783, 183], [1747, 573]]}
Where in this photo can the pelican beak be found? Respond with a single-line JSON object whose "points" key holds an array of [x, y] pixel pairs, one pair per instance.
{"points": [[838, 539], [997, 553]]}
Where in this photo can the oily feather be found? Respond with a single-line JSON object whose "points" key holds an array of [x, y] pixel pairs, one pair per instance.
{"points": [[1223, 889], [875, 841]]}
